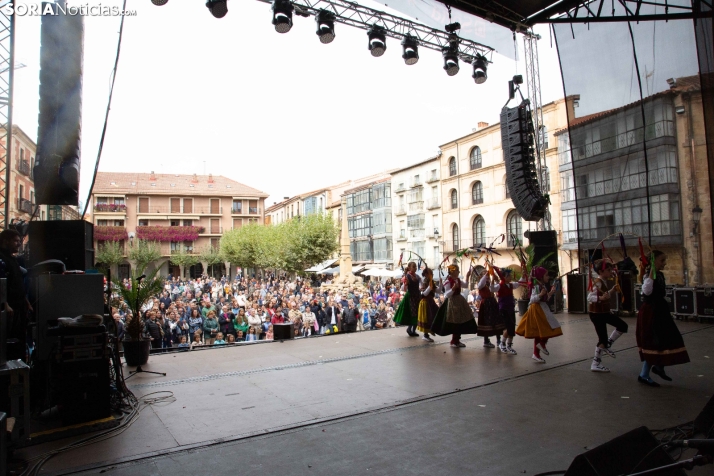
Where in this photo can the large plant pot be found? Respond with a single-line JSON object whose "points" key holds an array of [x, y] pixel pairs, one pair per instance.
{"points": [[136, 352], [522, 306]]}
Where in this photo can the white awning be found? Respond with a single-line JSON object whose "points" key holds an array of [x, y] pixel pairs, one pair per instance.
{"points": [[322, 266]]}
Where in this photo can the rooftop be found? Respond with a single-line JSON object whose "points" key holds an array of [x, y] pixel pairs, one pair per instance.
{"points": [[172, 184]]}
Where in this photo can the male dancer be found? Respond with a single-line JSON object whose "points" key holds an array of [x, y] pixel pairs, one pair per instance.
{"points": [[600, 315], [507, 308]]}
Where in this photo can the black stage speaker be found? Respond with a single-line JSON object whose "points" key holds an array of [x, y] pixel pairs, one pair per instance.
{"points": [[544, 243], [577, 293], [632, 452], [83, 390], [56, 168], [685, 301], [704, 423], [283, 331], [518, 153], [70, 241]]}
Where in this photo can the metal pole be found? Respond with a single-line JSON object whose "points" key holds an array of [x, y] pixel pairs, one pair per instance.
{"points": [[8, 141]]}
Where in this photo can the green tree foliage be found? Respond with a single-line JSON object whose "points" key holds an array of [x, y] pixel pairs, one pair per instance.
{"points": [[144, 253], [291, 246], [110, 253], [211, 256], [181, 258]]}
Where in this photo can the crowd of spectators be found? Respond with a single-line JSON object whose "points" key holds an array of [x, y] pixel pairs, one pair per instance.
{"points": [[211, 312]]}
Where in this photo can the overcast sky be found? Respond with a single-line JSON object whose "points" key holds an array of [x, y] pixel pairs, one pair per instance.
{"points": [[282, 113]]}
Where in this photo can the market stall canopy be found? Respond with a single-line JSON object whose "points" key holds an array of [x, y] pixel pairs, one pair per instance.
{"points": [[322, 266]]}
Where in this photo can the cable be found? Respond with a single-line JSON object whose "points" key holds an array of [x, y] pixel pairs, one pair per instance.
{"points": [[106, 116]]}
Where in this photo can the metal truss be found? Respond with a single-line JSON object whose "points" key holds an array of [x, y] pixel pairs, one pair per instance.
{"points": [[7, 54], [358, 16], [530, 42], [600, 11]]}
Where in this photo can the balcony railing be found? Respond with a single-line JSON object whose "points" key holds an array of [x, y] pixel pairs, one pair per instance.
{"points": [[400, 210], [432, 178], [169, 211], [110, 208], [24, 167], [416, 233], [214, 230], [432, 204], [402, 235], [416, 206], [24, 205], [400, 188], [240, 211], [416, 183]]}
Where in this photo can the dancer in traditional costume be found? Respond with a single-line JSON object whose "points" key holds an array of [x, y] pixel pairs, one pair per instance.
{"points": [[507, 308], [427, 306], [538, 322], [454, 316], [407, 312], [489, 319], [600, 315], [658, 338]]}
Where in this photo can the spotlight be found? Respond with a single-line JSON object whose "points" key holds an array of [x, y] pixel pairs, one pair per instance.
{"points": [[480, 64], [451, 58], [377, 41], [325, 26], [410, 48], [159, 2], [282, 16], [218, 8]]}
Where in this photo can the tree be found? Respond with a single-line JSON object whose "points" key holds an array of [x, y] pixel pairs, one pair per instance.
{"points": [[109, 253], [184, 260], [308, 240], [251, 246], [144, 252], [210, 255]]}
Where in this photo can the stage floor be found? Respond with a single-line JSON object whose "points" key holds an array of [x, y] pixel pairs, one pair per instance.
{"points": [[384, 403]]}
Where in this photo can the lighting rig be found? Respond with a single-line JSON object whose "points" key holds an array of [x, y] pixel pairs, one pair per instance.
{"points": [[379, 26]]}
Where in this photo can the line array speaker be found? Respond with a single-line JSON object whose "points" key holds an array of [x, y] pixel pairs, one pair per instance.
{"points": [[521, 175], [56, 168]]}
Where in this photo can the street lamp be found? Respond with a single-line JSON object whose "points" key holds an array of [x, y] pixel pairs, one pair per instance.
{"points": [[696, 216]]}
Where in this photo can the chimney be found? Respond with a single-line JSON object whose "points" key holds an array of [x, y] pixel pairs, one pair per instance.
{"points": [[571, 102], [482, 125], [152, 177], [286, 198], [194, 179], [210, 178]]}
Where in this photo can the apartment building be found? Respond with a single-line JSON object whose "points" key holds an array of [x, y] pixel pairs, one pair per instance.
{"points": [[185, 213], [369, 221], [416, 210]]}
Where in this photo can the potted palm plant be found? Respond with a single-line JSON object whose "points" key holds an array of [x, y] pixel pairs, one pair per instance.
{"points": [[140, 289], [531, 263]]}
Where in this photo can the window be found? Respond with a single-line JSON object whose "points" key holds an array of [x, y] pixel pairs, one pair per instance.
{"points": [[383, 249], [175, 205], [382, 195], [143, 222], [143, 204], [418, 247], [359, 202], [505, 188], [22, 192], [237, 223], [543, 139], [479, 230], [188, 223], [415, 221], [382, 222], [545, 181], [477, 193], [452, 167], [237, 206], [215, 206], [253, 207], [454, 199], [310, 206], [514, 228], [359, 226], [402, 230], [175, 222], [455, 237], [102, 222], [475, 159], [215, 225], [188, 205], [361, 250]]}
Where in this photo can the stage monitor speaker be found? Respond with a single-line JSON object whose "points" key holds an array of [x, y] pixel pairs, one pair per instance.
{"points": [[517, 139], [577, 293], [70, 241], [283, 331], [685, 301], [634, 451], [57, 161], [83, 390]]}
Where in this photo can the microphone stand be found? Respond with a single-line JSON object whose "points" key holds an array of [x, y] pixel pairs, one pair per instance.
{"points": [[688, 464]]}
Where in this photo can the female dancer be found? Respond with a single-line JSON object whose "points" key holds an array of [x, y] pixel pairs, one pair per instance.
{"points": [[427, 306], [507, 309], [489, 319], [658, 338], [454, 316], [407, 313], [600, 315], [538, 322]]}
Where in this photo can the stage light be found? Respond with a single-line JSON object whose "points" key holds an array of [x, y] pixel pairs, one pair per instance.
{"points": [[218, 8], [325, 26], [480, 65], [159, 2], [377, 41], [451, 58], [282, 16], [410, 48]]}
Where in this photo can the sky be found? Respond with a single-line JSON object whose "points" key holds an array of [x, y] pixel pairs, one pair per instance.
{"points": [[282, 113]]}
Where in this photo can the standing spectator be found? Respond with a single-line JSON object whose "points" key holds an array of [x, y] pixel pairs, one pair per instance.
{"points": [[225, 322], [153, 329], [195, 322], [210, 328]]}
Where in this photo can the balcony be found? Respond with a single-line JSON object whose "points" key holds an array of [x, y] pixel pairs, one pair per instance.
{"points": [[416, 233], [148, 210], [400, 210], [416, 183], [24, 205], [213, 230], [110, 233], [402, 235], [433, 204], [400, 188], [110, 208], [240, 211], [169, 233], [433, 233], [416, 206], [432, 178], [23, 167]]}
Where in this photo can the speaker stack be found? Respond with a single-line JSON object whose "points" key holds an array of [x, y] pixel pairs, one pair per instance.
{"points": [[56, 170], [521, 176]]}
